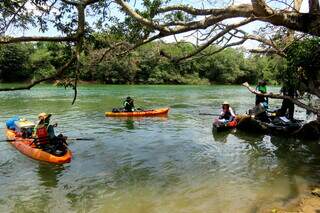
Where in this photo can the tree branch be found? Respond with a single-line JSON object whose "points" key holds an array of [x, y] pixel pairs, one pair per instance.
{"points": [[126, 7], [58, 73], [278, 96], [210, 41], [304, 22], [242, 10], [9, 40]]}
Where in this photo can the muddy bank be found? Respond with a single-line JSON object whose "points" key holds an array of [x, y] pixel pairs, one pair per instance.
{"points": [[308, 202]]}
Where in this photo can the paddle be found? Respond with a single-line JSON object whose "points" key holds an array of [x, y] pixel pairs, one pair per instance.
{"points": [[81, 139], [73, 139], [6, 141], [214, 114]]}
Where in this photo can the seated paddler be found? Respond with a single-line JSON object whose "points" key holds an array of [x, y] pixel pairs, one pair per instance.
{"points": [[227, 113], [43, 131], [128, 104]]}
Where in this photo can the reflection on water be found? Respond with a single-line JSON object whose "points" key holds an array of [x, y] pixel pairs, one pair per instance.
{"points": [[160, 164], [49, 174]]}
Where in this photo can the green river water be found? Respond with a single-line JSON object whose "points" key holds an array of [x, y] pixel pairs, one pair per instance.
{"points": [[172, 164]]}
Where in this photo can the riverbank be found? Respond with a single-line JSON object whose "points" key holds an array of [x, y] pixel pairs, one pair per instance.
{"points": [[307, 202]]}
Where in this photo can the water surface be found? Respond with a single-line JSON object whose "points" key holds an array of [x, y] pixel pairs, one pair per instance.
{"points": [[172, 164]]}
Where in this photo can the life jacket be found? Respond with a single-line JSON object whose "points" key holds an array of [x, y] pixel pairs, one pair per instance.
{"points": [[42, 134], [226, 115]]}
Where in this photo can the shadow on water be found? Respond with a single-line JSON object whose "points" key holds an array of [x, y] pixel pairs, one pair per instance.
{"points": [[49, 174], [295, 159], [221, 136]]}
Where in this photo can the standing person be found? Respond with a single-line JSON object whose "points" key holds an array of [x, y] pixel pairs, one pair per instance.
{"points": [[227, 112], [287, 105], [262, 88], [128, 104]]}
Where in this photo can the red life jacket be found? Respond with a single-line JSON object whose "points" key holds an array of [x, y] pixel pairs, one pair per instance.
{"points": [[42, 135]]}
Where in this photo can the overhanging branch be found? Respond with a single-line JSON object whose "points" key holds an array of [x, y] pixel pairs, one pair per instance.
{"points": [[9, 40], [278, 96], [58, 73], [210, 41]]}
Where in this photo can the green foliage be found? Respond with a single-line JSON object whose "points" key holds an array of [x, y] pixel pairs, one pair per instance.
{"points": [[13, 62], [145, 65], [21, 62], [303, 64]]}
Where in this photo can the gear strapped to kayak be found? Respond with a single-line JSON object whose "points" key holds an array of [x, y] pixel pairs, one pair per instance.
{"points": [[34, 141]]}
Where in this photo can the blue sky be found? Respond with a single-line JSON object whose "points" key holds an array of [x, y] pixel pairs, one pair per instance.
{"points": [[195, 3]]}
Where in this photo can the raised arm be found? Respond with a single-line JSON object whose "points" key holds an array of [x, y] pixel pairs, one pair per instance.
{"points": [[254, 91]]}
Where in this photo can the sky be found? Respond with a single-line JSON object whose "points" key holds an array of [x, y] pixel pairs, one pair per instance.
{"points": [[195, 3]]}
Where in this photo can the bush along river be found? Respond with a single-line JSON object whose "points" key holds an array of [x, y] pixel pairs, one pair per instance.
{"points": [[152, 164]]}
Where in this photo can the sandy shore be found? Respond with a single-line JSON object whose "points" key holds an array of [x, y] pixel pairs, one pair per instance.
{"points": [[308, 202]]}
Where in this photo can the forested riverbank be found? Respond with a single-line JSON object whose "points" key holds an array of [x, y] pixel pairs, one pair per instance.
{"points": [[26, 61]]}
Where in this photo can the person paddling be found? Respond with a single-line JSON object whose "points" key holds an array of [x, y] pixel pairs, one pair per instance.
{"points": [[227, 112], [128, 104], [43, 131], [45, 137]]}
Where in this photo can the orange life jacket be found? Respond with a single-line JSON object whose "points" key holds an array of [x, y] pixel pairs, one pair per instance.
{"points": [[42, 135]]}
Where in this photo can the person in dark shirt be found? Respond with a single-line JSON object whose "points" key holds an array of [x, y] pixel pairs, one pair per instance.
{"points": [[128, 105], [287, 107]]}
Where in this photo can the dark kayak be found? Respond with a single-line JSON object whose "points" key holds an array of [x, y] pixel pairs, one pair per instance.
{"points": [[275, 125]]}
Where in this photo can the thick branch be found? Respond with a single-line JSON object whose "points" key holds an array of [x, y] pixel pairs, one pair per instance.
{"points": [[126, 7], [242, 10], [260, 8], [278, 96], [74, 3], [304, 22], [9, 40]]}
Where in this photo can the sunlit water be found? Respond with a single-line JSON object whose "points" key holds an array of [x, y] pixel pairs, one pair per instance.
{"points": [[172, 164]]}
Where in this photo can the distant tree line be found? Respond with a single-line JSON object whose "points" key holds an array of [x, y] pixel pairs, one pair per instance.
{"points": [[26, 61]]}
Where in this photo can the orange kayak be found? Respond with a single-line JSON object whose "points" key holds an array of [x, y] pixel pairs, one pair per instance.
{"points": [[26, 147], [153, 112]]}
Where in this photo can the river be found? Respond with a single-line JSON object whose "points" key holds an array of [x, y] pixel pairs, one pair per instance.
{"points": [[172, 164]]}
